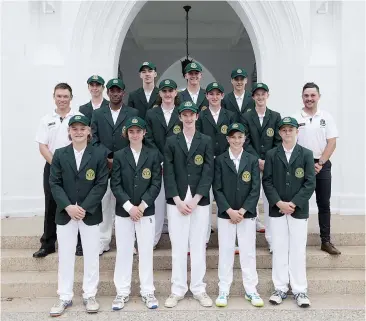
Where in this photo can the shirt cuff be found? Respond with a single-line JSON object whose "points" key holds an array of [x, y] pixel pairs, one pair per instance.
{"points": [[144, 203], [127, 206]]}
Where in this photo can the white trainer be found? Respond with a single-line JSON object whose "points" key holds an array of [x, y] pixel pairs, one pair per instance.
{"points": [[302, 300], [221, 300], [150, 301], [277, 297], [119, 302], [60, 307], [91, 305], [203, 299], [172, 300], [254, 299]]}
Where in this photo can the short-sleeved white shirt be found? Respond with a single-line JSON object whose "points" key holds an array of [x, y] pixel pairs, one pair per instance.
{"points": [[315, 130], [52, 132]]}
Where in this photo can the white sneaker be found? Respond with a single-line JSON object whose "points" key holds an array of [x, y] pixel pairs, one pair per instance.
{"points": [[60, 307], [277, 297], [119, 302], [221, 300], [172, 300], [91, 305], [260, 228], [150, 301], [302, 300], [254, 299], [203, 299], [104, 249]]}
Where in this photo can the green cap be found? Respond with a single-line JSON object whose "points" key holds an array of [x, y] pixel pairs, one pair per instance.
{"points": [[259, 85], [96, 78], [238, 127], [214, 85], [79, 119], [135, 121], [239, 72], [193, 66], [288, 121], [167, 83], [116, 82], [147, 64], [187, 105]]}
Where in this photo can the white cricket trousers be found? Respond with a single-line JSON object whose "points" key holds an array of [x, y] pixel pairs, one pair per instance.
{"points": [[246, 232], [208, 235], [67, 239], [289, 237], [109, 212], [125, 230], [187, 230], [160, 214], [267, 222]]}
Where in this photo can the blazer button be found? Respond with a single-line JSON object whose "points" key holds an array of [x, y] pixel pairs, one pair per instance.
{"points": [[262, 146], [189, 175], [135, 186], [288, 184]]}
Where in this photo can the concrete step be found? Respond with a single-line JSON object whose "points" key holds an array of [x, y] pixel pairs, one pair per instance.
{"points": [[324, 307], [22, 260], [35, 284], [347, 230]]}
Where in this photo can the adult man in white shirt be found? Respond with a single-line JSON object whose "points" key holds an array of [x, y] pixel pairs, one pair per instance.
{"points": [[52, 134], [318, 132]]}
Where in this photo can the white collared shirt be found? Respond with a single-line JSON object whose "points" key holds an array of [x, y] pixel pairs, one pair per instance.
{"points": [[115, 114], [194, 96], [148, 95], [167, 114], [261, 116], [315, 130], [54, 133], [288, 152], [239, 100], [96, 106], [128, 205], [215, 115], [236, 160], [189, 142], [78, 157]]}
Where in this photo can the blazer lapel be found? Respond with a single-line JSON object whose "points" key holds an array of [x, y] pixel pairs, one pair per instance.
{"points": [[210, 118], [294, 155], [222, 117], [243, 162], [256, 120], [71, 157], [282, 156], [122, 115], [266, 117], [130, 158], [186, 96], [153, 97], [233, 101], [108, 115], [160, 116], [105, 102], [195, 142], [142, 158], [86, 157], [182, 143], [173, 119], [201, 97], [247, 98], [142, 97], [230, 162]]}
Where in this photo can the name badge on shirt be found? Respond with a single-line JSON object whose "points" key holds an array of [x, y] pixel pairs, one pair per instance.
{"points": [[51, 124]]}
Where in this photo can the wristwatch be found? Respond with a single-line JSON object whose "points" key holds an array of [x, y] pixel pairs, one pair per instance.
{"points": [[320, 162]]}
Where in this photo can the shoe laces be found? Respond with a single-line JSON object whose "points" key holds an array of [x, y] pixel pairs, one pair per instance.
{"points": [[204, 295], [91, 300], [254, 296], [301, 296], [223, 295], [119, 298], [279, 293], [61, 303], [150, 296], [172, 296]]}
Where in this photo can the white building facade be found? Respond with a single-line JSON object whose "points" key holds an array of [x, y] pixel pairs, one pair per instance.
{"points": [[293, 42]]}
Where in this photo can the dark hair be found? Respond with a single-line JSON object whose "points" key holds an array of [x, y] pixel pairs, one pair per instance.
{"points": [[311, 85], [159, 101], [63, 85]]}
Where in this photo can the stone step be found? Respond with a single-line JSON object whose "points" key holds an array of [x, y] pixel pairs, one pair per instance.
{"points": [[324, 307], [22, 260], [35, 284], [347, 230]]}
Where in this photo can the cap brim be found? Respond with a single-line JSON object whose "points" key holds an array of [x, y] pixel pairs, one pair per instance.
{"points": [[80, 122], [188, 108], [115, 85], [97, 81], [292, 125], [265, 89], [192, 69], [235, 130], [135, 125], [168, 86], [151, 68], [237, 75]]}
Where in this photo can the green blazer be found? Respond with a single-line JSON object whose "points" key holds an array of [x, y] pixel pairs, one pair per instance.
{"points": [[229, 102], [107, 134], [157, 130], [201, 100], [137, 100], [292, 181], [87, 109], [261, 139], [207, 125], [182, 167], [85, 186], [136, 183]]}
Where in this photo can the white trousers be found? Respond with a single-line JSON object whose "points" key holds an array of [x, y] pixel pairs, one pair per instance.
{"points": [[125, 238], [210, 217], [289, 237], [187, 230], [246, 233], [109, 212], [266, 214], [160, 214], [67, 239]]}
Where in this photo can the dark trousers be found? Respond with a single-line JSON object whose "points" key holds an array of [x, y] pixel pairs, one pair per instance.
{"points": [[49, 236], [323, 192]]}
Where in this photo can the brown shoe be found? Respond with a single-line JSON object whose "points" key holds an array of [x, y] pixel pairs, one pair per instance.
{"points": [[330, 248]]}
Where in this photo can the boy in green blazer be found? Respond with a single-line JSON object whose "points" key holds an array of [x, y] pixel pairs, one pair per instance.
{"points": [[262, 124], [78, 180], [135, 183], [289, 182], [162, 121], [188, 174], [236, 188]]}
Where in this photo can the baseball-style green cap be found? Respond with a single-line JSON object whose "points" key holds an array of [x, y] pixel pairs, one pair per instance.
{"points": [[96, 78], [238, 127], [187, 105], [239, 72], [79, 119], [290, 121], [214, 85], [135, 121], [167, 83], [259, 85], [116, 82], [193, 66], [147, 64]]}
